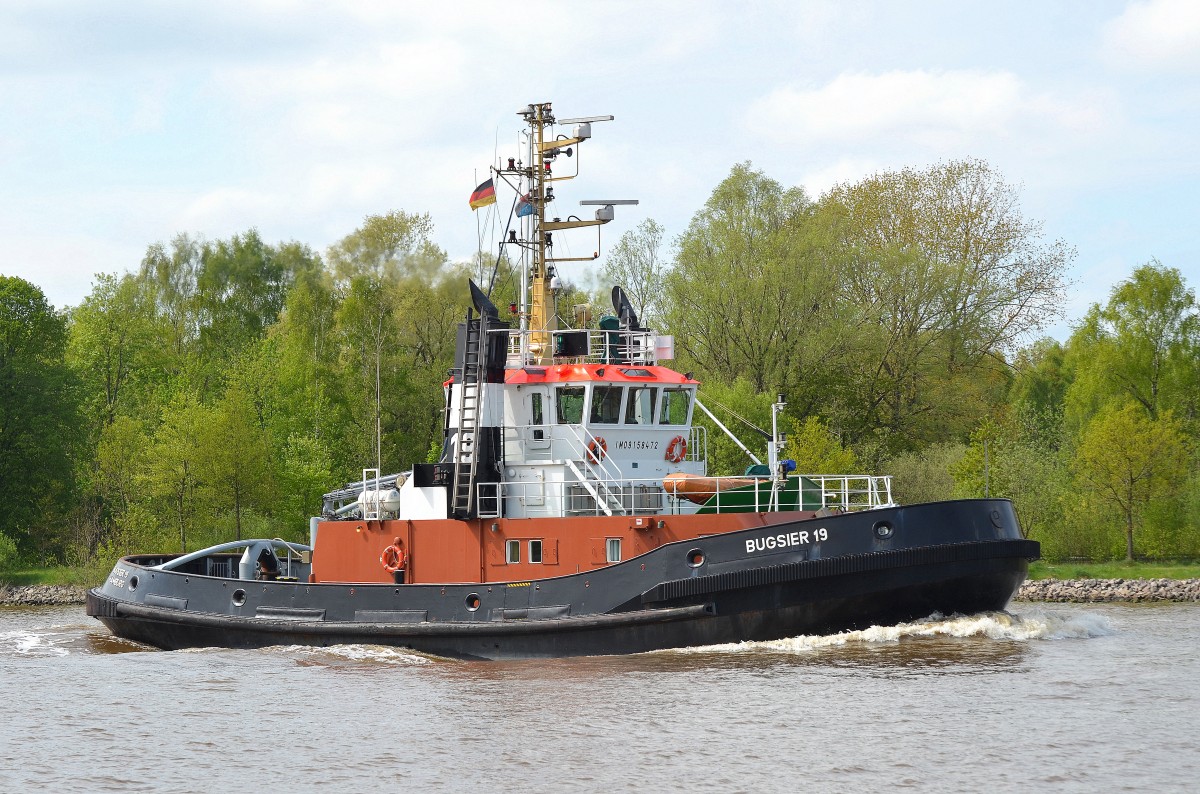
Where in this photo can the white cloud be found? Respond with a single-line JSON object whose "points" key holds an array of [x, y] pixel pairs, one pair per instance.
{"points": [[1155, 35], [913, 103], [928, 113]]}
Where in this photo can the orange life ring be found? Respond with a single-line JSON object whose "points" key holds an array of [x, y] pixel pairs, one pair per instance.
{"points": [[597, 449], [394, 559], [677, 449]]}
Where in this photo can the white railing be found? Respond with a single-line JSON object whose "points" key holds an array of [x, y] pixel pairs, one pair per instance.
{"points": [[831, 492], [629, 348]]}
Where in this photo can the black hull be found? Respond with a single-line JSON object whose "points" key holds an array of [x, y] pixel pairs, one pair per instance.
{"points": [[734, 597]]}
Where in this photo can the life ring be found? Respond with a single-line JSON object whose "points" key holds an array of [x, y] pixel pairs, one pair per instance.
{"points": [[394, 559], [677, 449], [597, 449]]}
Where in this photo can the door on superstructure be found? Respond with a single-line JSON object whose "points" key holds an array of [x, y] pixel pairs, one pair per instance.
{"points": [[537, 408]]}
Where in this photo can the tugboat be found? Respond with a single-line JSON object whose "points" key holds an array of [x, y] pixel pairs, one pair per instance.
{"points": [[572, 512]]}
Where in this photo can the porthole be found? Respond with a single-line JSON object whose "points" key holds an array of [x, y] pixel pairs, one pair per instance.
{"points": [[883, 529], [695, 558], [133, 583], [239, 597], [473, 602]]}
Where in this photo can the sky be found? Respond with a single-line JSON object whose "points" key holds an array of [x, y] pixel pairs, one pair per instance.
{"points": [[125, 124]]}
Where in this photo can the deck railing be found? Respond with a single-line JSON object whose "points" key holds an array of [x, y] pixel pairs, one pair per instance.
{"points": [[583, 346], [832, 492]]}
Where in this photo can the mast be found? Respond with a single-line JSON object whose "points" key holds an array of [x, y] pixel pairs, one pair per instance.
{"points": [[538, 316], [542, 320]]}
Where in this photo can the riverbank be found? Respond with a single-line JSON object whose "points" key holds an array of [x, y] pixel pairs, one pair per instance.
{"points": [[1109, 590], [1054, 590], [42, 594]]}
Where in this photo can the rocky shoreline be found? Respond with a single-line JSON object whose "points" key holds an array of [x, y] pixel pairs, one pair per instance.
{"points": [[42, 594], [1107, 590], [1078, 591]]}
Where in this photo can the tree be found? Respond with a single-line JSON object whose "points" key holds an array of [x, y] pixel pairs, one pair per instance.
{"points": [[745, 298], [945, 275], [1036, 395], [172, 473], [306, 472], [1144, 345], [120, 457], [635, 263], [170, 276], [233, 461], [37, 417], [1003, 461], [746, 412], [924, 475], [1129, 461], [112, 344], [311, 393], [817, 450], [378, 267], [241, 288]]}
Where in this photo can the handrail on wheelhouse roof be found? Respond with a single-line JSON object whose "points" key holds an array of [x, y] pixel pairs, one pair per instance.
{"points": [[601, 373]]}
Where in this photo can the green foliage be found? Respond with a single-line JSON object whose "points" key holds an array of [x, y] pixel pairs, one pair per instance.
{"points": [[745, 411], [37, 418], [925, 475], [742, 299], [1000, 462], [306, 472], [945, 275], [9, 555], [1129, 462], [233, 460], [1143, 345], [173, 462], [114, 347], [816, 450], [1039, 387]]}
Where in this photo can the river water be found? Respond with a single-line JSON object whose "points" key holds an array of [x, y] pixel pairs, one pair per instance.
{"points": [[1045, 698]]}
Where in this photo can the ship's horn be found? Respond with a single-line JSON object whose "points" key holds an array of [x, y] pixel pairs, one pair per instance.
{"points": [[624, 309], [482, 304]]}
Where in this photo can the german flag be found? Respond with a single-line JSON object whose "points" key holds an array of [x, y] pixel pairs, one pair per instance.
{"points": [[484, 194]]}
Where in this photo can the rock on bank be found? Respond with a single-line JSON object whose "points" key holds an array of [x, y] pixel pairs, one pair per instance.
{"points": [[42, 594], [1102, 590]]}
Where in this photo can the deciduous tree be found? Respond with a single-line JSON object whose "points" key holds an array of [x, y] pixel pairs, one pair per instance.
{"points": [[1129, 460], [37, 417]]}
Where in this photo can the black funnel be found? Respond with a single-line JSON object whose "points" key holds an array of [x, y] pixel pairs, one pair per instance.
{"points": [[482, 305], [624, 309]]}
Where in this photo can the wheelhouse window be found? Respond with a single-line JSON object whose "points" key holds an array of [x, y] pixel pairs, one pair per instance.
{"points": [[606, 405], [569, 405], [612, 548], [512, 551], [640, 408], [535, 551], [676, 406]]}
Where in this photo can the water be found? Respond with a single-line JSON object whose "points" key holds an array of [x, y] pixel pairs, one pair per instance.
{"points": [[1051, 698]]}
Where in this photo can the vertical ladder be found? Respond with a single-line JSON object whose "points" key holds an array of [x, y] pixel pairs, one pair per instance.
{"points": [[470, 390]]}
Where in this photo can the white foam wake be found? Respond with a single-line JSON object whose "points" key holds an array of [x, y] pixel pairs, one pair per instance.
{"points": [[990, 625], [31, 643], [377, 654]]}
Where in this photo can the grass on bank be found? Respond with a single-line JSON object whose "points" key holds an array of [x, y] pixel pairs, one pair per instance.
{"points": [[1114, 570], [89, 577], [1038, 570]]}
